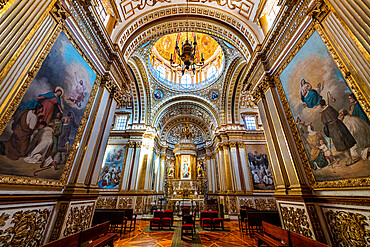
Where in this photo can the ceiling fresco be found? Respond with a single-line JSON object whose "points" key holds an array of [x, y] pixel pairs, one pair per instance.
{"points": [[165, 46]]}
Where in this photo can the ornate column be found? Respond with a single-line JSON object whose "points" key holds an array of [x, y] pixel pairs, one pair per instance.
{"points": [[221, 166], [274, 149], [135, 164], [214, 174], [228, 171], [128, 166], [245, 167], [193, 167], [162, 175], [235, 163], [209, 173]]}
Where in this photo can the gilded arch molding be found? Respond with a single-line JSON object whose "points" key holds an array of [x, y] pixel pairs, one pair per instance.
{"points": [[144, 90], [186, 100], [186, 118], [198, 18]]}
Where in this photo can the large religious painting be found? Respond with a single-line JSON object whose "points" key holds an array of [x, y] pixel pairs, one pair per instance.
{"points": [[260, 167], [185, 167], [40, 135], [332, 125], [110, 175]]}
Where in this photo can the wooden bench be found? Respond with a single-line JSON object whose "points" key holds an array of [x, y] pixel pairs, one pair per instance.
{"points": [[97, 236], [254, 220], [298, 240], [272, 235], [116, 217], [93, 237], [70, 241]]}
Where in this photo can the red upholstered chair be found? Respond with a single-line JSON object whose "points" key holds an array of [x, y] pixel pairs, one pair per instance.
{"points": [[206, 219], [156, 221], [187, 227], [185, 211], [218, 222], [168, 214], [166, 222]]}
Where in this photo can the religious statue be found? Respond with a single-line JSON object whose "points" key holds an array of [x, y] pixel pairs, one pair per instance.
{"points": [[171, 170], [186, 132]]}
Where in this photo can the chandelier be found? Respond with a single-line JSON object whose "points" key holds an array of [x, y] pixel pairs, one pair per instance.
{"points": [[187, 54]]}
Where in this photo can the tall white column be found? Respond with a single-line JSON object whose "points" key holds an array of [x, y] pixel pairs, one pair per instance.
{"points": [[161, 180], [245, 167], [127, 169], [235, 164], [135, 168], [209, 173]]}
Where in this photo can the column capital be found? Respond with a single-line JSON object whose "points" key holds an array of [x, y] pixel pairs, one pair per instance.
{"points": [[232, 144], [241, 145]]}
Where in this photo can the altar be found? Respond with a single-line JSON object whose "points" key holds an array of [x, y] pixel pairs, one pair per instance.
{"points": [[186, 178]]}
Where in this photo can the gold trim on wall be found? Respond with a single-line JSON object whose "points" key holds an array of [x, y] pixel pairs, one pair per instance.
{"points": [[8, 179], [352, 84]]}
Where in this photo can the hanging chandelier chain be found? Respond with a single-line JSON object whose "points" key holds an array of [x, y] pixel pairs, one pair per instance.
{"points": [[188, 53]]}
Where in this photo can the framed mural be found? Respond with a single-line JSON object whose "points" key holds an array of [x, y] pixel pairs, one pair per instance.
{"points": [[48, 116], [328, 122], [111, 170], [259, 167]]}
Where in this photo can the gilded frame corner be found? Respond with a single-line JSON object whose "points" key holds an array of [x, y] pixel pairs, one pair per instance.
{"points": [[351, 183]]}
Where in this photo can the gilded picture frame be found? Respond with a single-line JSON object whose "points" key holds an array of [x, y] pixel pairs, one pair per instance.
{"points": [[251, 149], [352, 84], [124, 147], [15, 102]]}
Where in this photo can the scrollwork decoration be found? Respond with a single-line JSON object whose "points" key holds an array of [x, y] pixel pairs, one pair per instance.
{"points": [[28, 228], [348, 229]]}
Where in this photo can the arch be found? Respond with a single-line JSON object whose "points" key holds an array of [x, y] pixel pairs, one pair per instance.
{"points": [[242, 34], [186, 100], [143, 87]]}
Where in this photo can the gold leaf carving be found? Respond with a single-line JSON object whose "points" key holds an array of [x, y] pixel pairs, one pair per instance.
{"points": [[78, 219], [28, 228], [348, 229], [295, 219]]}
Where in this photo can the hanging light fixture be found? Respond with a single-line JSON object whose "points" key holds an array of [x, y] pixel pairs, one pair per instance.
{"points": [[187, 54]]}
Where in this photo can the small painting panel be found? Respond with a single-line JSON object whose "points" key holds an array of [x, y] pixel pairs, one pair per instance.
{"points": [[110, 175], [260, 167], [42, 130], [332, 125]]}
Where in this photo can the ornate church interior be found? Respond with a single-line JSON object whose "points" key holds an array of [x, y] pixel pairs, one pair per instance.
{"points": [[184, 123]]}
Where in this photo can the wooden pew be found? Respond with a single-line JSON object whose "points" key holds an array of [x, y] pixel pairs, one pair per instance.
{"points": [[97, 236], [298, 240], [116, 217], [272, 235], [70, 241], [255, 218]]}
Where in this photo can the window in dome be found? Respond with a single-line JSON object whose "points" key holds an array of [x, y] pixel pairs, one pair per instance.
{"points": [[161, 72], [186, 80], [211, 72]]}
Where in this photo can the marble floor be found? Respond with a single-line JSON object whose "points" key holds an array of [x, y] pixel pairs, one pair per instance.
{"points": [[142, 237]]}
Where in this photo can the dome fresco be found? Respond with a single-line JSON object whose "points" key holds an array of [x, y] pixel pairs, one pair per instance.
{"points": [[175, 76]]}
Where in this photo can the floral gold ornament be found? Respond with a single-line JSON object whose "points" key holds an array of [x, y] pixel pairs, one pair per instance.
{"points": [[78, 219], [295, 219], [348, 229], [27, 228]]}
